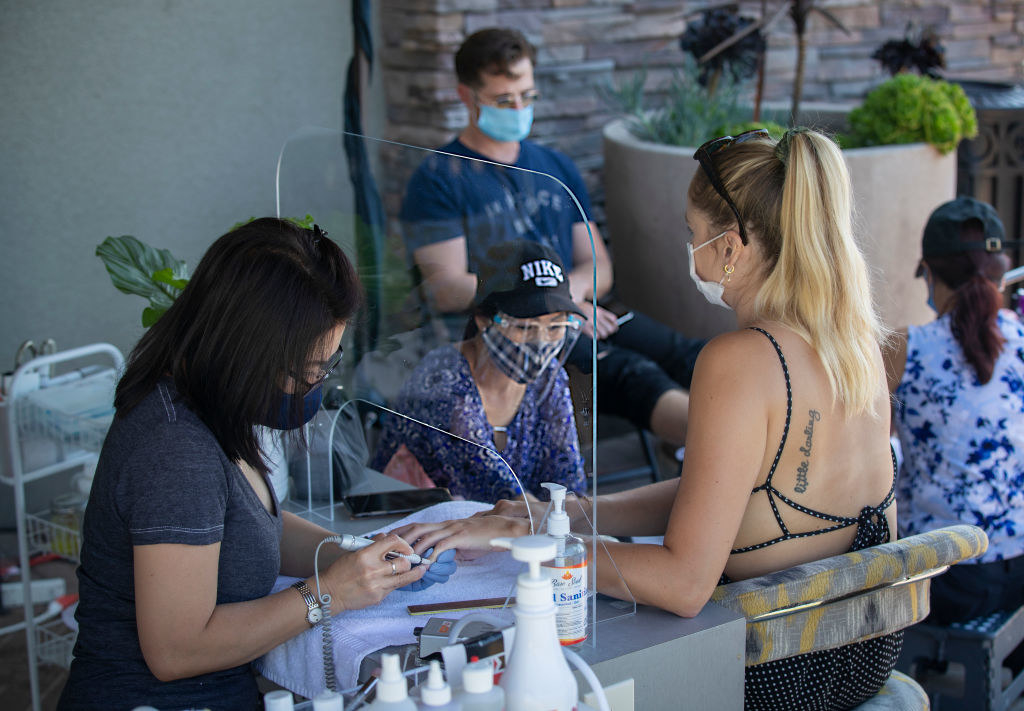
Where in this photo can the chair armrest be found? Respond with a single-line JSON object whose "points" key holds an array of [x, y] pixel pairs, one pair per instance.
{"points": [[846, 598], [849, 573]]}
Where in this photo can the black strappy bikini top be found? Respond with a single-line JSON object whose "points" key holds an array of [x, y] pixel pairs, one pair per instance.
{"points": [[872, 525]]}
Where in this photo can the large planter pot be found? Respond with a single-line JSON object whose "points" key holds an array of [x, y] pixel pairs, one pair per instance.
{"points": [[895, 189]]}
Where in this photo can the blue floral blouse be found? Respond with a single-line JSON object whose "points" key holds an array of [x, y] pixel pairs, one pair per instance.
{"points": [[541, 440], [963, 442]]}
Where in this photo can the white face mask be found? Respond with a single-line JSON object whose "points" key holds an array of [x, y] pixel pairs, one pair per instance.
{"points": [[712, 291]]}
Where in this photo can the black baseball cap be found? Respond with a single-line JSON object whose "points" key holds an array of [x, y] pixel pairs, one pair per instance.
{"points": [[524, 279], [944, 234]]}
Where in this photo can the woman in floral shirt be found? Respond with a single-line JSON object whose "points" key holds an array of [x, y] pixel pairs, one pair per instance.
{"points": [[502, 391], [958, 386]]}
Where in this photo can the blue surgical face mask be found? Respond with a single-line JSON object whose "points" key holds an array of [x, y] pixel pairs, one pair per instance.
{"points": [[284, 418], [505, 124]]}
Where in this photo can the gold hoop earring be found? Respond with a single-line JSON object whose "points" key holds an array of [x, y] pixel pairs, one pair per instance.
{"points": [[728, 269]]}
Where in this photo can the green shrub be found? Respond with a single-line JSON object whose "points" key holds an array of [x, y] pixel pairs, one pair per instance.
{"points": [[910, 108]]}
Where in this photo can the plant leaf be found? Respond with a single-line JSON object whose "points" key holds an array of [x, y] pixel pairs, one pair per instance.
{"points": [[131, 265], [151, 316], [166, 276]]}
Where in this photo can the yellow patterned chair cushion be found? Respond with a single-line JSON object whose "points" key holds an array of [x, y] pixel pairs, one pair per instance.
{"points": [[846, 598]]}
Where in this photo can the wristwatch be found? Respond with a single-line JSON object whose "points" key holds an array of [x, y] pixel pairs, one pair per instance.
{"points": [[314, 613]]}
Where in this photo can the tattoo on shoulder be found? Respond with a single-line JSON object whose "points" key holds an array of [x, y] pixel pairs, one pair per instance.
{"points": [[801, 471]]}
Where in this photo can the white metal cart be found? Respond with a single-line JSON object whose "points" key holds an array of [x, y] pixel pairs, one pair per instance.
{"points": [[70, 414]]}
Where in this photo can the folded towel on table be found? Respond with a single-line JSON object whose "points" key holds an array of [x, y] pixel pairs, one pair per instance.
{"points": [[298, 663]]}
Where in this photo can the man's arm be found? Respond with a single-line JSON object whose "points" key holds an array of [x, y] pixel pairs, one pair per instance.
{"points": [[447, 281], [581, 279]]}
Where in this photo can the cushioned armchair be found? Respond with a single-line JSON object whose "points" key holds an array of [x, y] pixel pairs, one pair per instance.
{"points": [[849, 598]]}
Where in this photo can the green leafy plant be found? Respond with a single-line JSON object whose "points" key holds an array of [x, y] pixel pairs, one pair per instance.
{"points": [[911, 108], [689, 115], [155, 274], [137, 268]]}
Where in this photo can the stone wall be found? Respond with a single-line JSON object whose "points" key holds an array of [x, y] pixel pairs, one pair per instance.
{"points": [[585, 43]]}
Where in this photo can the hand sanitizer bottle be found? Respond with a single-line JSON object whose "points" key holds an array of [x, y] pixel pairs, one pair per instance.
{"points": [[568, 572], [537, 677], [392, 691]]}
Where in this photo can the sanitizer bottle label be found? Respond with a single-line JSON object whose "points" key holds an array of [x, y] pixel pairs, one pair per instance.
{"points": [[570, 592]]}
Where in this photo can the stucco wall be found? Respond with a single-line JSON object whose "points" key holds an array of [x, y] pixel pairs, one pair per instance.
{"points": [[158, 119]]}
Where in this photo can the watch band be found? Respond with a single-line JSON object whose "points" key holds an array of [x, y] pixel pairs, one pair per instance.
{"points": [[313, 611]]}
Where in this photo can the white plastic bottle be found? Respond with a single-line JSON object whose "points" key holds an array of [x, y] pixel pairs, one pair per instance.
{"points": [[478, 690], [436, 694], [328, 700], [537, 677], [568, 572], [392, 690], [278, 700]]}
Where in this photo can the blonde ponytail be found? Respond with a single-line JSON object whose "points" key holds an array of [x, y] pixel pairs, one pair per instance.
{"points": [[820, 285], [795, 196]]}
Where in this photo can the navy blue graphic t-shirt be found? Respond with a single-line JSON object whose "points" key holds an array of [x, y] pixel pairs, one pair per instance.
{"points": [[488, 204]]}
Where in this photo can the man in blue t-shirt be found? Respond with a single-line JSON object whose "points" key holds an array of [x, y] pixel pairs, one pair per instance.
{"points": [[490, 185]]}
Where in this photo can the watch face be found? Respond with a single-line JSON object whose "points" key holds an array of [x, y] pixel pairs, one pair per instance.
{"points": [[315, 615]]}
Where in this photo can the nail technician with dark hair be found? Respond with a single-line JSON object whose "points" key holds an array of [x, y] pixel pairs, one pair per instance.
{"points": [[183, 536], [958, 390]]}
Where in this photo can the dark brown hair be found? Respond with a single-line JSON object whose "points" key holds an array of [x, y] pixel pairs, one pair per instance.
{"points": [[259, 304], [491, 51], [974, 277]]}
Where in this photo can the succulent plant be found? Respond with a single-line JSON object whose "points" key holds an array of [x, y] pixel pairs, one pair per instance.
{"points": [[715, 26], [910, 108], [917, 51]]}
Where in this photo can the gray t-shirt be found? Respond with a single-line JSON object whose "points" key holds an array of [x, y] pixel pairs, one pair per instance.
{"points": [[163, 478]]}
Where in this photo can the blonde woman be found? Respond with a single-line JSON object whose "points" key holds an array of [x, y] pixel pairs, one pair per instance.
{"points": [[787, 453]]}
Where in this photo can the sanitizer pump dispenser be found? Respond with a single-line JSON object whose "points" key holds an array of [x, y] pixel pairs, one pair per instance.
{"points": [[537, 677], [568, 572]]}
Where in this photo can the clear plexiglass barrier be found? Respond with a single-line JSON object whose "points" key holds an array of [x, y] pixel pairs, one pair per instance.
{"points": [[469, 369]]}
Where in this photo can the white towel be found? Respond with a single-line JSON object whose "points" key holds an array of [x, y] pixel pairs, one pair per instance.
{"points": [[297, 664]]}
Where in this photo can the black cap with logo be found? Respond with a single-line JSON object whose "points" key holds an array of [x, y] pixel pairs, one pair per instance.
{"points": [[944, 235], [524, 279]]}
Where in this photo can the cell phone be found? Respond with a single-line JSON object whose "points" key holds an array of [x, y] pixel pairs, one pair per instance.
{"points": [[625, 318], [385, 503]]}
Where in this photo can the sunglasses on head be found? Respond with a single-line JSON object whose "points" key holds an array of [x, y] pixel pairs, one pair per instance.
{"points": [[703, 156]]}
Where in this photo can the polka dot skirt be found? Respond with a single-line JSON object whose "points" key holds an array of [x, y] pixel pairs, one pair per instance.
{"points": [[830, 680]]}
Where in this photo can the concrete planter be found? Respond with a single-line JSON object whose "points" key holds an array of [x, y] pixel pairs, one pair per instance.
{"points": [[895, 189]]}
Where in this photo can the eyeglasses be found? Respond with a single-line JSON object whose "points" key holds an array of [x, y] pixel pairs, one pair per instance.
{"points": [[703, 156], [323, 373], [508, 101], [523, 330]]}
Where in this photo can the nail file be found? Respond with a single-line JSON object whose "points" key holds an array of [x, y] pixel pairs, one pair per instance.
{"points": [[460, 605]]}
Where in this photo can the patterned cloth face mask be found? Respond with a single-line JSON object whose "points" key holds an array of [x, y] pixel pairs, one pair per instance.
{"points": [[524, 357]]}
